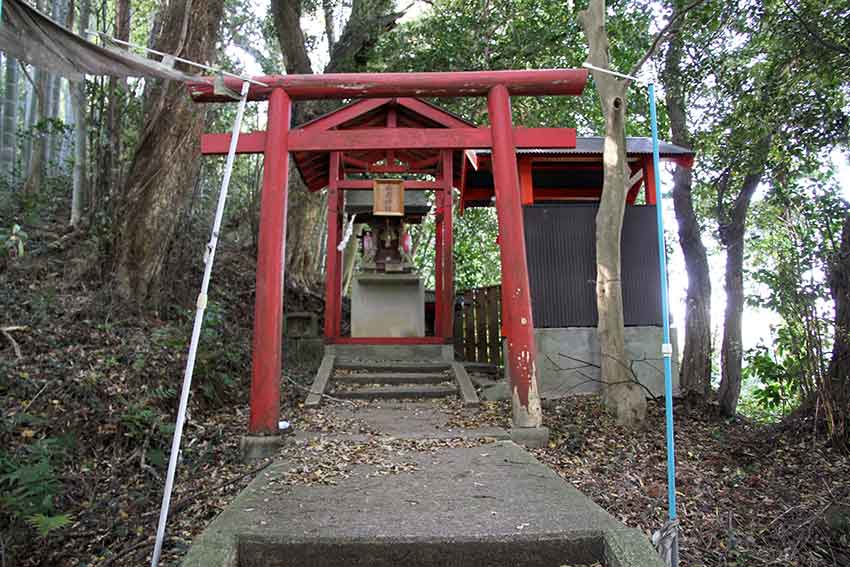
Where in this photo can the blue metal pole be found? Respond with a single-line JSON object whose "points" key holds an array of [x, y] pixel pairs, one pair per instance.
{"points": [[666, 347]]}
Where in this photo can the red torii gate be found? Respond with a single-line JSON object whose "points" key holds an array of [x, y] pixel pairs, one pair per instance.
{"points": [[501, 137]]}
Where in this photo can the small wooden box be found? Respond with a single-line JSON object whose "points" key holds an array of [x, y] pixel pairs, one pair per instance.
{"points": [[388, 198]]}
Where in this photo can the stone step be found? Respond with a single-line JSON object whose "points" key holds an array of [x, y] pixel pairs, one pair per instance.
{"points": [[420, 367], [393, 378], [406, 392]]}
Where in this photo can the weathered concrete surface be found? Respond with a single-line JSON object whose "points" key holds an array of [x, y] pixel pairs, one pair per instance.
{"points": [[531, 437], [569, 362], [256, 447], [401, 420], [491, 504], [387, 305], [409, 354]]}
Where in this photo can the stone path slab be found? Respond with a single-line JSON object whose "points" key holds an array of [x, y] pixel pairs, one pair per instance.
{"points": [[480, 501]]}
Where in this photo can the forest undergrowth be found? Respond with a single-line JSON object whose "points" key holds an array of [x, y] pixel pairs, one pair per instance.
{"points": [[88, 394]]}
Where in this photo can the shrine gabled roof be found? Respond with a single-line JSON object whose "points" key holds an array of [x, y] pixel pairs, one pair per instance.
{"points": [[373, 115]]}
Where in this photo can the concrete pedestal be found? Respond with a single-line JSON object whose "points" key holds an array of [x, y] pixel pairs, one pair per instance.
{"points": [[387, 305]]}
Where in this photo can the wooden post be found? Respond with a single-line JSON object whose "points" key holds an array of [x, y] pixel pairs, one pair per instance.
{"points": [[649, 181], [439, 298], [268, 307], [448, 248], [333, 281], [516, 296]]}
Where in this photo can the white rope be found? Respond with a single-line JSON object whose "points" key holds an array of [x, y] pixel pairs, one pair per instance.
{"points": [[209, 256], [345, 237]]}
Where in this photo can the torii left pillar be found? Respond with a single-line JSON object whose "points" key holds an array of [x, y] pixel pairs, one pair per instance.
{"points": [[263, 437]]}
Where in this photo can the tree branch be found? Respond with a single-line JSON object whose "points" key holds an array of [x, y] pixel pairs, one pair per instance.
{"points": [[287, 20], [369, 19], [662, 35]]}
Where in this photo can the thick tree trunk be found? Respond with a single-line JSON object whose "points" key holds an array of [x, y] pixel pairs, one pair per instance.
{"points": [[622, 395], [732, 236], [367, 21], [695, 367], [732, 228], [167, 158], [837, 387], [10, 119]]}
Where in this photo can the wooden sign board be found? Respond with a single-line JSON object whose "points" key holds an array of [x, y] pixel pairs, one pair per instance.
{"points": [[388, 195]]}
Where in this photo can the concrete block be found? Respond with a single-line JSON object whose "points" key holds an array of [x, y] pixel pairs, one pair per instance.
{"points": [[387, 305], [256, 447], [300, 324], [531, 437], [390, 353], [568, 360]]}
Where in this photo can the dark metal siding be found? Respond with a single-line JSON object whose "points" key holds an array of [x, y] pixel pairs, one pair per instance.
{"points": [[560, 241]]}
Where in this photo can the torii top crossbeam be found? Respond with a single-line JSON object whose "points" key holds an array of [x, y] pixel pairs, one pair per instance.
{"points": [[536, 82], [501, 138]]}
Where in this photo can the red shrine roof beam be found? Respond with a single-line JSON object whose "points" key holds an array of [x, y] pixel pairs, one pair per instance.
{"points": [[567, 174]]}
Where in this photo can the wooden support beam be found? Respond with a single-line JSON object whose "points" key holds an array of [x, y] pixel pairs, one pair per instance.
{"points": [[516, 296], [409, 185], [526, 82], [426, 138], [333, 262], [268, 307], [447, 197], [649, 180], [395, 138], [526, 183], [219, 144]]}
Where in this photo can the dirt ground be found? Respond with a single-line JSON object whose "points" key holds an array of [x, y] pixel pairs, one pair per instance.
{"points": [[91, 392]]}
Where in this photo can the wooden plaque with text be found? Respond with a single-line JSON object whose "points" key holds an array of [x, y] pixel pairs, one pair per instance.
{"points": [[388, 197]]}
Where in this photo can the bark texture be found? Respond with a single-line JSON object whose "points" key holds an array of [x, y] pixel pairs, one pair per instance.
{"points": [[695, 367], [837, 389], [622, 395], [167, 158], [732, 223], [79, 102], [368, 20], [10, 119]]}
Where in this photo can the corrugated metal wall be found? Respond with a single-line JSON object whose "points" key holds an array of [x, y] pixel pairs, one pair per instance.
{"points": [[560, 241]]}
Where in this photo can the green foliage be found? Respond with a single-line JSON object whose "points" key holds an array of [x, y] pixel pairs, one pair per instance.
{"points": [[774, 377], [44, 524], [476, 253], [29, 486], [463, 35], [13, 241], [795, 237]]}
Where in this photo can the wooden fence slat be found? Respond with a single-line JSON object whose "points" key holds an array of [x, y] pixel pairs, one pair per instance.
{"points": [[494, 340], [469, 326], [480, 326]]}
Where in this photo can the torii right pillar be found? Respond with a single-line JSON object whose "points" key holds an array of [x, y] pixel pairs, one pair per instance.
{"points": [[521, 366]]}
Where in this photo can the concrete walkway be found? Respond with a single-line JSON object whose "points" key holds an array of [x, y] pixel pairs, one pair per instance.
{"points": [[401, 486]]}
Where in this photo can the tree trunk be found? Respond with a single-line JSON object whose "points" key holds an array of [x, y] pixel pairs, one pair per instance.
{"points": [[10, 120], [117, 99], [167, 158], [837, 387], [35, 171], [732, 236], [732, 228], [79, 104], [368, 20], [622, 395], [695, 367]]}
